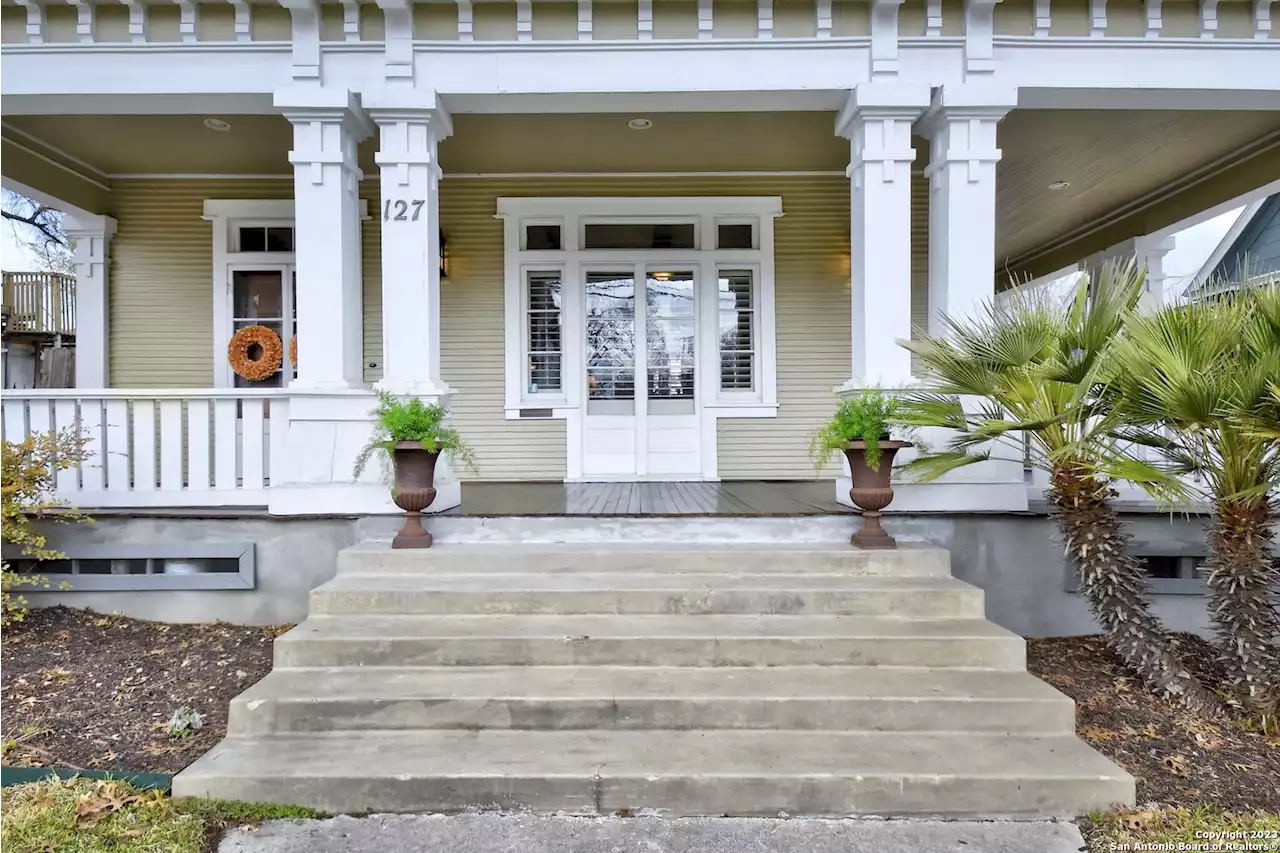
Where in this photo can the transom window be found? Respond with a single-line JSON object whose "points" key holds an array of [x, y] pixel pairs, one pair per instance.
{"points": [[263, 238], [638, 235]]}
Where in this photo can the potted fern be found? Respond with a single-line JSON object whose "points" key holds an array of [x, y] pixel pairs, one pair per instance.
{"points": [[412, 434], [862, 429]]}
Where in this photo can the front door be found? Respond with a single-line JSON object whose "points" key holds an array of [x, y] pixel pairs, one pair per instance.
{"points": [[641, 418]]}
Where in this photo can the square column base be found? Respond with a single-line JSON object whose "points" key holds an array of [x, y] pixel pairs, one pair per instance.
{"points": [[327, 431]]}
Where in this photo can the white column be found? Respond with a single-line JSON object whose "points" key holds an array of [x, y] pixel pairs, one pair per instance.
{"points": [[1148, 253], [877, 121], [411, 123], [961, 127], [328, 124], [91, 236]]}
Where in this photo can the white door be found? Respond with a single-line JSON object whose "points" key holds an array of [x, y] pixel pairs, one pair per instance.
{"points": [[640, 324]]}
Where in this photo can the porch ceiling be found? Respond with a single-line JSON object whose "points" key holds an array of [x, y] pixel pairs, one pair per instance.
{"points": [[1112, 159]]}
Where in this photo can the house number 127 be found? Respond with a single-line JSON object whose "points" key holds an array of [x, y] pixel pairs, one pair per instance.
{"points": [[401, 207]]}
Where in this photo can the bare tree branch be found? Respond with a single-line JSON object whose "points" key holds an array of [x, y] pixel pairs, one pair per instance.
{"points": [[37, 229]]}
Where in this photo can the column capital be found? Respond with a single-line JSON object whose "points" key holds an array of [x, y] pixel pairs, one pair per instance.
{"points": [[387, 106], [881, 101], [302, 104], [77, 226], [967, 102]]}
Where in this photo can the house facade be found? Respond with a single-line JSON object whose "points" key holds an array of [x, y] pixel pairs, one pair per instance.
{"points": [[622, 241]]}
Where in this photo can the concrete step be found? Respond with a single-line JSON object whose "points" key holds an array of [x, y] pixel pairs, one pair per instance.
{"points": [[646, 593], [905, 561], [628, 640], [845, 698], [670, 772]]}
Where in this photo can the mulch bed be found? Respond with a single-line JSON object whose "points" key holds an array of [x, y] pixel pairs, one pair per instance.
{"points": [[1178, 759], [91, 691]]}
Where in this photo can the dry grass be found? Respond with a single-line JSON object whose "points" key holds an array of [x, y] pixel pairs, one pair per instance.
{"points": [[88, 816]]}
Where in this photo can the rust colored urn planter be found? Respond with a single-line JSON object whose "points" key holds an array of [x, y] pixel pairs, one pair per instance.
{"points": [[872, 491], [415, 489]]}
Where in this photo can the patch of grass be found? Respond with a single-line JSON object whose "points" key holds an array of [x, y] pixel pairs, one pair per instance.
{"points": [[1199, 827], [88, 816]]}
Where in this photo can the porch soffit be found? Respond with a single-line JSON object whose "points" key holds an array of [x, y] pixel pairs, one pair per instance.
{"points": [[1110, 158]]}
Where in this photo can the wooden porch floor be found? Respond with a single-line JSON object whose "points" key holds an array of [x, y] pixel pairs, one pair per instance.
{"points": [[734, 498]]}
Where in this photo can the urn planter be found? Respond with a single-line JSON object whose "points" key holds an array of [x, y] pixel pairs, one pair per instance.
{"points": [[872, 491], [415, 489]]}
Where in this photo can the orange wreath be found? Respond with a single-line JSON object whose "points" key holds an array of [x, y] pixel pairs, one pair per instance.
{"points": [[269, 354], [293, 351]]}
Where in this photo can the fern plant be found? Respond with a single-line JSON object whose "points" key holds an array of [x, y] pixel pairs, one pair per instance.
{"points": [[410, 419], [867, 416]]}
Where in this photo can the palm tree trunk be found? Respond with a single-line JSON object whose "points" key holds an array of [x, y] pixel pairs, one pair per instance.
{"points": [[1242, 571], [1115, 585]]}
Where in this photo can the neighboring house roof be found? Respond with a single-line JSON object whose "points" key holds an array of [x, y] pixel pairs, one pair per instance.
{"points": [[1251, 245]]}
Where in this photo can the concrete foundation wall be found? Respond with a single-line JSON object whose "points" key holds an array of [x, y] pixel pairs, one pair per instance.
{"points": [[1014, 559], [293, 556]]}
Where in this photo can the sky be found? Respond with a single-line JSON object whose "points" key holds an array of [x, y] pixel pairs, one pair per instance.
{"points": [[12, 256]]}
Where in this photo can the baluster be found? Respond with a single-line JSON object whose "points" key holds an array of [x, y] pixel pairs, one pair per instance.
{"points": [[278, 447], [93, 472], [198, 445], [144, 445], [117, 450], [251, 439], [224, 444], [64, 415], [171, 445]]}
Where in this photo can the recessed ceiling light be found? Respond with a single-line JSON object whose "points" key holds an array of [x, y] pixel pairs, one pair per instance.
{"points": [[639, 124], [1059, 185], [217, 124]]}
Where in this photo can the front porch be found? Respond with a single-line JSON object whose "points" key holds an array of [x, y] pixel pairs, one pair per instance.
{"points": [[737, 498], [675, 319]]}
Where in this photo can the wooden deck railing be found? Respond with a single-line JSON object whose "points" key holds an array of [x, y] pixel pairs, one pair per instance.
{"points": [[40, 303], [160, 448]]}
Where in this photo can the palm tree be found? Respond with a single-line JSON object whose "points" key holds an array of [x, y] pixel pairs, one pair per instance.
{"points": [[1207, 373], [1033, 369]]}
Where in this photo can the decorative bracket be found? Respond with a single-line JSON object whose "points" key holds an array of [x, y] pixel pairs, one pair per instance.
{"points": [[35, 20], [305, 16], [398, 40], [1154, 20], [884, 38], [979, 37]]}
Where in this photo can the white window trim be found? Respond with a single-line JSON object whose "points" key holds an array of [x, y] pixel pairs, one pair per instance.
{"points": [[225, 215], [572, 213]]}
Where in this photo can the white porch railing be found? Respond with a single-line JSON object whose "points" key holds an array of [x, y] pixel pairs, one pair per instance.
{"points": [[160, 448]]}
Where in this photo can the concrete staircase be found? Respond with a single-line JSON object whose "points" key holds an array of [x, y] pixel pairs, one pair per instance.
{"points": [[687, 680]]}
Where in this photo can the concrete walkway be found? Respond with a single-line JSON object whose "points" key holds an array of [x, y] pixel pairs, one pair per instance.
{"points": [[505, 833]]}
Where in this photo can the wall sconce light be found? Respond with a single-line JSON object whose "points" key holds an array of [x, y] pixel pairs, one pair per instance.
{"points": [[444, 255]]}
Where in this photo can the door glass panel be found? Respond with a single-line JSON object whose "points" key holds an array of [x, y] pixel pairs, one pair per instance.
{"points": [[611, 343], [257, 299], [669, 342]]}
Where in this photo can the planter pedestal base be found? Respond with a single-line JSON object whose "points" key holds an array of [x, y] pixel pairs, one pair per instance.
{"points": [[872, 534], [412, 534]]}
